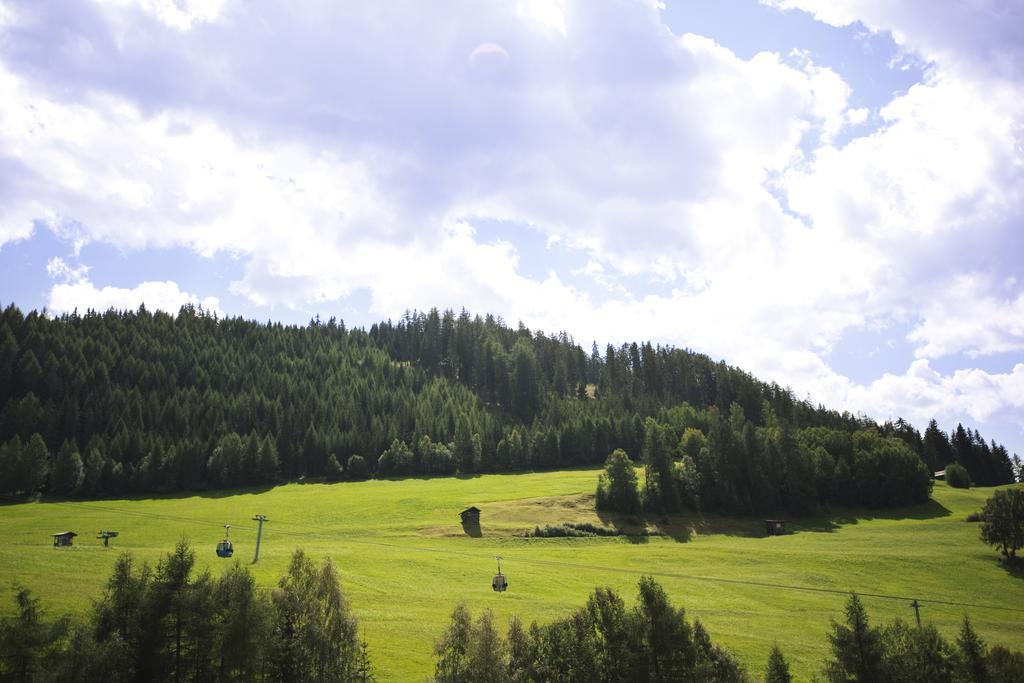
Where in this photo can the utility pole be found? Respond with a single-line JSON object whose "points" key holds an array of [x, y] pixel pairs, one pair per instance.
{"points": [[259, 535], [917, 611]]}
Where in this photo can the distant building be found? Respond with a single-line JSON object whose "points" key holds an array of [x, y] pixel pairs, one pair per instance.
{"points": [[64, 538], [775, 527], [941, 474], [470, 515]]}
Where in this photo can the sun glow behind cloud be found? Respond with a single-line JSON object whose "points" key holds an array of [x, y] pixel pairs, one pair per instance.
{"points": [[548, 13]]}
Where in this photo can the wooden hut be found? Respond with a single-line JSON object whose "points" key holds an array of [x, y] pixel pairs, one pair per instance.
{"points": [[471, 516], [64, 538], [775, 527]]}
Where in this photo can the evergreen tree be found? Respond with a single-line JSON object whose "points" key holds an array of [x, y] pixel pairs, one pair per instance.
{"points": [[269, 466], [778, 669], [857, 653], [68, 472], [971, 665], [660, 489], [33, 466], [10, 462], [26, 640], [242, 623]]}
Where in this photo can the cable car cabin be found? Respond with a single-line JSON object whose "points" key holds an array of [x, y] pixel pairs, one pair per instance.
{"points": [[63, 539], [499, 583], [224, 548]]}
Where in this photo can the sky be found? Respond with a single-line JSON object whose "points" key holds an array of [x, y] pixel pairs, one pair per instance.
{"points": [[826, 193]]}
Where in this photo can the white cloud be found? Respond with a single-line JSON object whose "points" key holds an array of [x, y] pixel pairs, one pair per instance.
{"points": [[179, 14], [340, 147], [83, 295], [547, 13], [981, 37], [970, 316], [58, 269], [922, 393]]}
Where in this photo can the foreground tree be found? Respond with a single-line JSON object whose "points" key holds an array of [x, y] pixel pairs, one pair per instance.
{"points": [[601, 642], [317, 636], [1003, 522], [917, 655], [972, 652], [778, 668], [26, 640], [856, 647]]}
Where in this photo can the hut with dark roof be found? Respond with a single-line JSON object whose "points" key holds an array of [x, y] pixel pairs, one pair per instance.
{"points": [[64, 538], [470, 515]]}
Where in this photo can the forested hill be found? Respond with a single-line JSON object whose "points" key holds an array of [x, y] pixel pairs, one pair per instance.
{"points": [[136, 401]]}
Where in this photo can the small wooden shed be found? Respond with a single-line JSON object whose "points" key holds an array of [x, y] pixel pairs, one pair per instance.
{"points": [[775, 527], [64, 538], [470, 515]]}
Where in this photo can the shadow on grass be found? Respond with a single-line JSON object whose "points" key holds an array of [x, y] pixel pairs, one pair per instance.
{"points": [[841, 517], [1014, 568], [684, 526]]}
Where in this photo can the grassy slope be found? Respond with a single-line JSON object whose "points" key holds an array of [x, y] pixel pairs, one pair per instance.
{"points": [[405, 560]]}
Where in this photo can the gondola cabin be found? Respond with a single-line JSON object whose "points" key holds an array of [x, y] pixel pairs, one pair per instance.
{"points": [[63, 539], [775, 527], [224, 548], [499, 583]]}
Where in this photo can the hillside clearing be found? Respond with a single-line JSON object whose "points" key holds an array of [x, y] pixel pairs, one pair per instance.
{"points": [[406, 561]]}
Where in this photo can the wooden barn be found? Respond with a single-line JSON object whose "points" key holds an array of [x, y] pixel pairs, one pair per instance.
{"points": [[64, 538], [471, 516], [775, 527]]}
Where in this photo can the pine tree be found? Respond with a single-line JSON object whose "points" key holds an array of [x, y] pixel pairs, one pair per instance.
{"points": [[856, 647], [972, 651], [26, 640], [33, 466], [68, 472], [778, 668]]}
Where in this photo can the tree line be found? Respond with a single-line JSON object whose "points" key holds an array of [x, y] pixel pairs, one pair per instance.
{"points": [[134, 401], [735, 467], [170, 624], [655, 642]]}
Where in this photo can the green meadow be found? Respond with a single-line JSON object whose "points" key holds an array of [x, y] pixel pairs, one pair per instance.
{"points": [[405, 559]]}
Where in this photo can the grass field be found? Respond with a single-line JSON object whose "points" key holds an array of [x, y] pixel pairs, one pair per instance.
{"points": [[405, 559]]}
